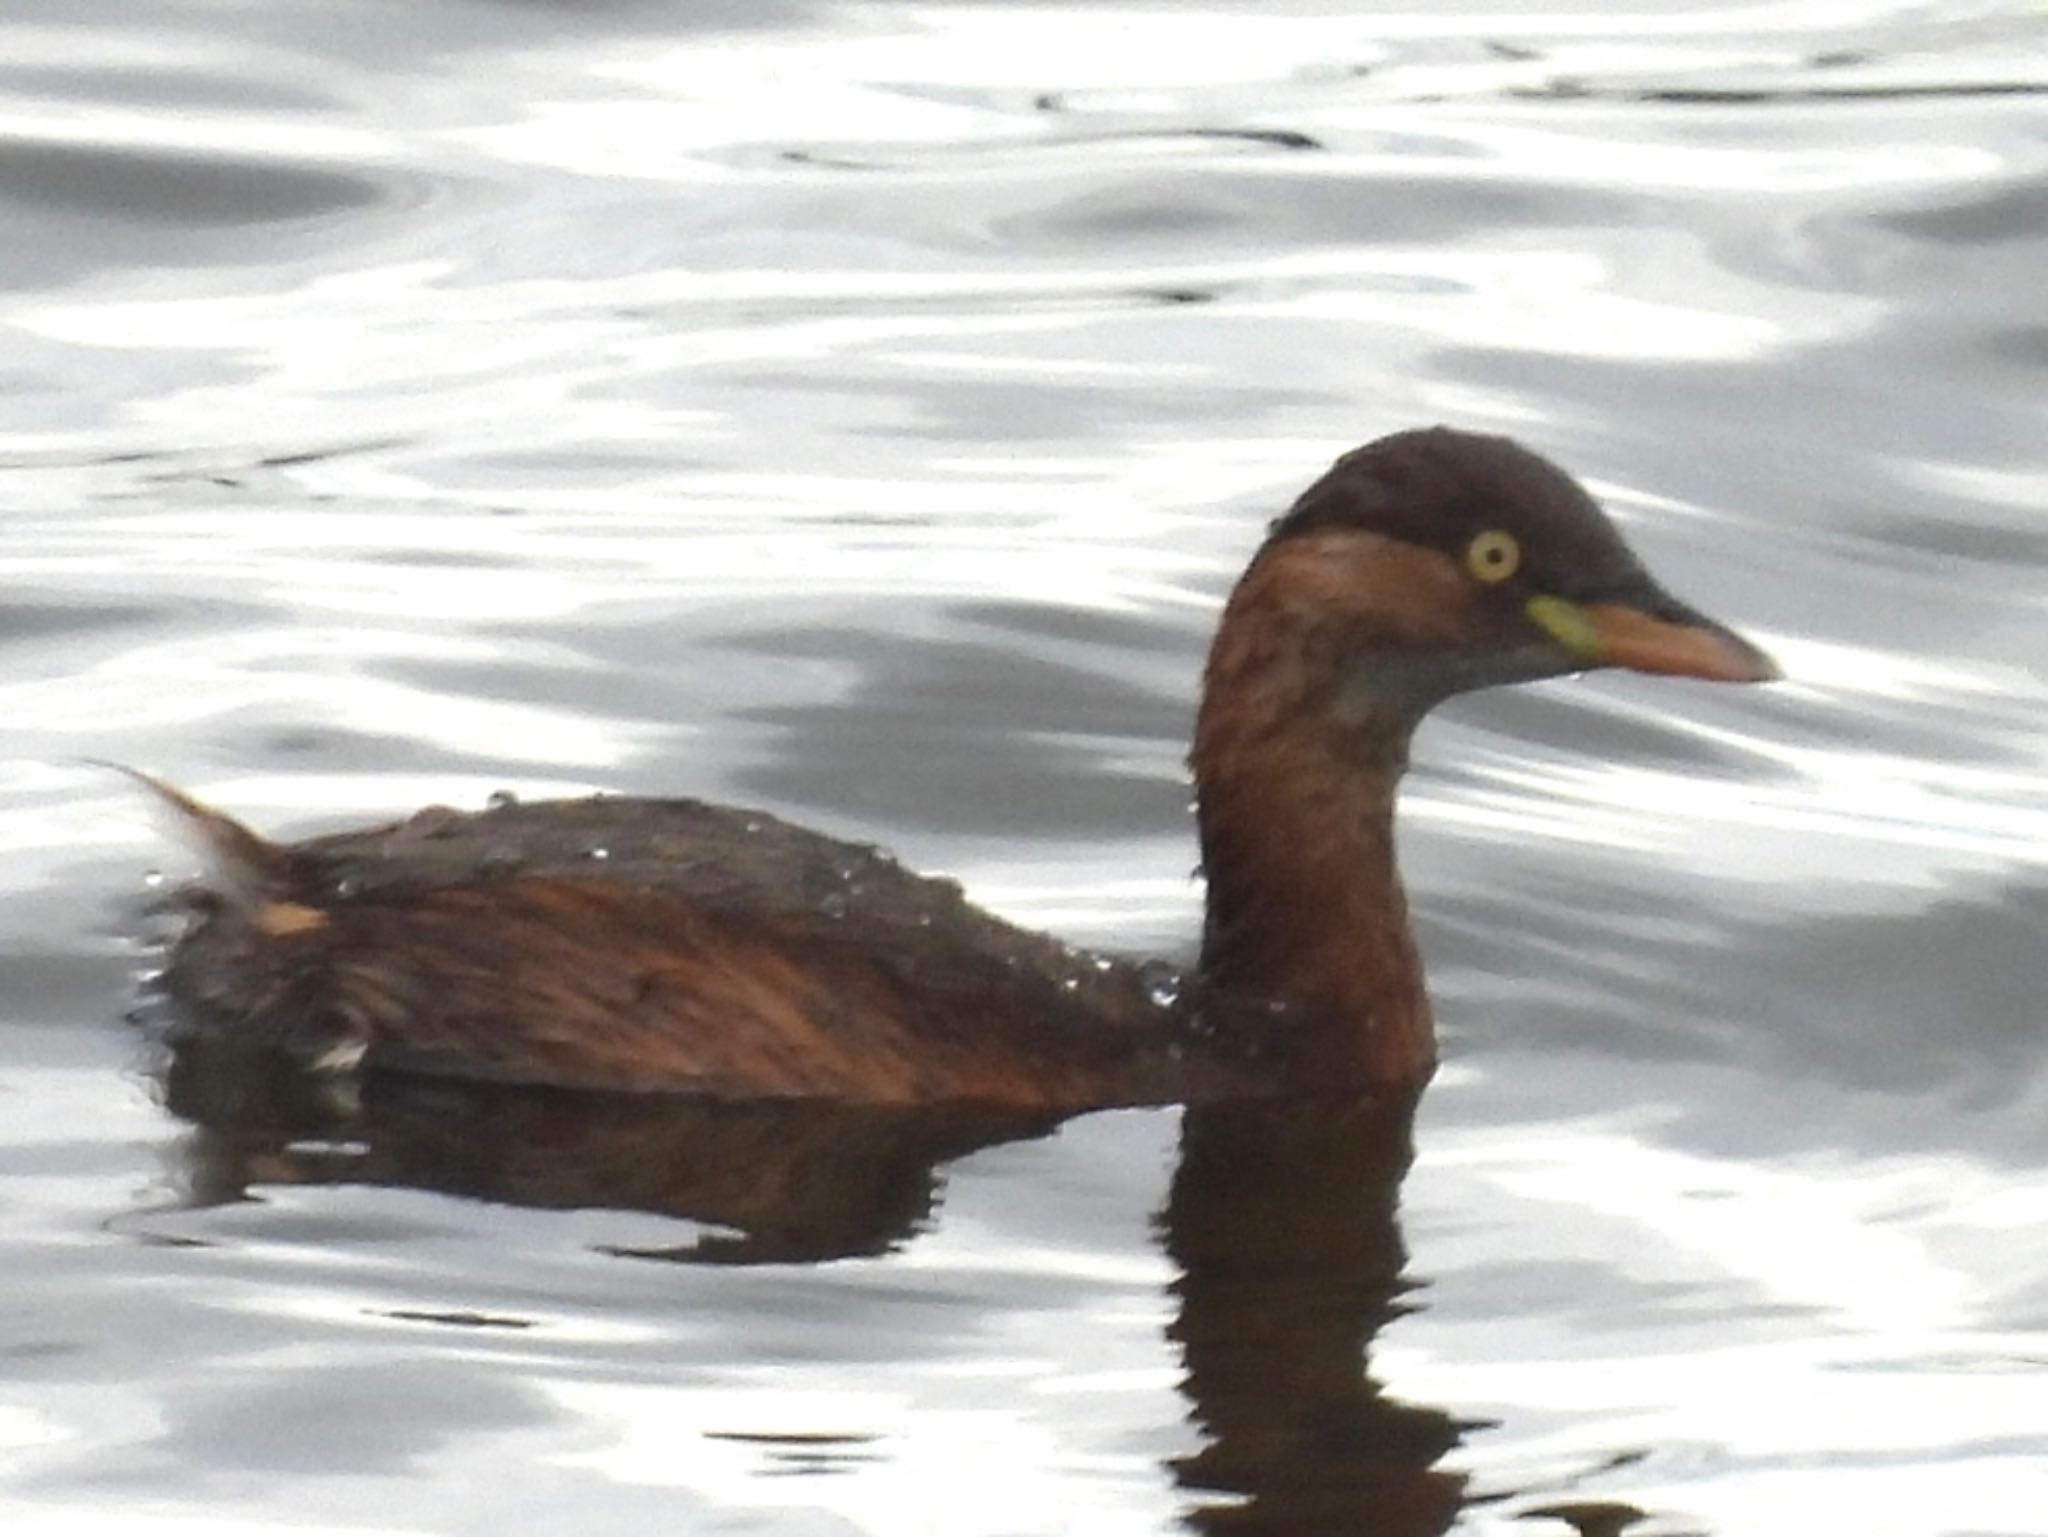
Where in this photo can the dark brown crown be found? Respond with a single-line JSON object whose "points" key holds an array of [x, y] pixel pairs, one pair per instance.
{"points": [[1439, 487]]}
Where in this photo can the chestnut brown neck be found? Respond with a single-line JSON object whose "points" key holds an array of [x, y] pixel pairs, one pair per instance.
{"points": [[1296, 771]]}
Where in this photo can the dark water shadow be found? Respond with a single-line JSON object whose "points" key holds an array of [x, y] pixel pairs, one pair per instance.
{"points": [[1281, 1218], [776, 1182], [1284, 1221], [1011, 730]]}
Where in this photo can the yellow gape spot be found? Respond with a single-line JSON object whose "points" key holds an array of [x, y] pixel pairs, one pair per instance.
{"points": [[1493, 556]]}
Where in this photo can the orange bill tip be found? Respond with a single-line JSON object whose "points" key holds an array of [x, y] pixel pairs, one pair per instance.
{"points": [[1628, 637], [1686, 645]]}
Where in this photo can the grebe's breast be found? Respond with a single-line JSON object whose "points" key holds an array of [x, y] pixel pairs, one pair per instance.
{"points": [[624, 943]]}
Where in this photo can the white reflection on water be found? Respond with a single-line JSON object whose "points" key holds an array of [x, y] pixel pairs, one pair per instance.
{"points": [[1834, 669], [1819, 1234], [1849, 821], [1747, 1433], [901, 1466], [1885, 824], [172, 682], [1814, 1311], [998, 1430], [1158, 60], [21, 1429], [40, 1520]]}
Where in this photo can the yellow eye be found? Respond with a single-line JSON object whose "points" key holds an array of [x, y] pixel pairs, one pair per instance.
{"points": [[1493, 556]]}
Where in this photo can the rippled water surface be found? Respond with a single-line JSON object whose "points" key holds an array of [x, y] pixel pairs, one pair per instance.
{"points": [[859, 412]]}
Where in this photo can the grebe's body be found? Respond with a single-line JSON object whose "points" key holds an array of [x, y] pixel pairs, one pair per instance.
{"points": [[676, 946], [619, 943]]}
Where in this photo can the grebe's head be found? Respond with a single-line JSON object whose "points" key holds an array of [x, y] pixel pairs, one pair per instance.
{"points": [[1434, 561]]}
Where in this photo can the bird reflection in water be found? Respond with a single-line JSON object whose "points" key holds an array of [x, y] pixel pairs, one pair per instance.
{"points": [[768, 1181], [1281, 1221]]}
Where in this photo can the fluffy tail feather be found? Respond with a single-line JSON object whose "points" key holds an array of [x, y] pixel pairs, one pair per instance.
{"points": [[244, 868]]}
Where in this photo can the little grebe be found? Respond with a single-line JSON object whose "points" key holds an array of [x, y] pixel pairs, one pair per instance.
{"points": [[618, 943]]}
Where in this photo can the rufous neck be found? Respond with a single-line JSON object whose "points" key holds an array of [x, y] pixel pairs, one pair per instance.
{"points": [[1296, 774], [1306, 911]]}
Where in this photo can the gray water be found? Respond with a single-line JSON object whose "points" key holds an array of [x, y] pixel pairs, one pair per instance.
{"points": [[860, 412]]}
